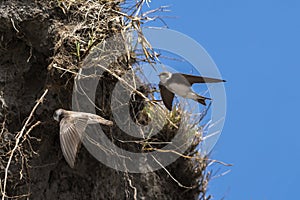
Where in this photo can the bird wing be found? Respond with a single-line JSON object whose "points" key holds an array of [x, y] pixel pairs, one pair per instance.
{"points": [[166, 95], [199, 79], [71, 131], [94, 119], [90, 118]]}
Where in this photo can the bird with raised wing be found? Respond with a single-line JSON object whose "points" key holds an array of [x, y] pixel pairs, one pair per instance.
{"points": [[72, 127], [181, 85]]}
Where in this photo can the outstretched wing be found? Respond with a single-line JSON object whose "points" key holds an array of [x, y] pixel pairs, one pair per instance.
{"points": [[71, 131], [199, 79], [94, 119], [90, 118], [166, 95]]}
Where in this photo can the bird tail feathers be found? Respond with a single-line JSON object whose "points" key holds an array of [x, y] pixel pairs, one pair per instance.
{"points": [[202, 99]]}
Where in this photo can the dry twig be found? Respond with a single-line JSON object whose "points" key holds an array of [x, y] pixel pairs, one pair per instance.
{"points": [[18, 137]]}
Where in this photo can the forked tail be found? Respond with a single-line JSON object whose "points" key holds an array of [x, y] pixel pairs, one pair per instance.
{"points": [[202, 99]]}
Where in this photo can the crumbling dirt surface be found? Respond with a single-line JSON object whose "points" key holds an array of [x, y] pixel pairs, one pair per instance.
{"points": [[29, 33]]}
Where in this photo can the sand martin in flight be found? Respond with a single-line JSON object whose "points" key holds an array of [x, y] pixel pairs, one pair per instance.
{"points": [[72, 126], [180, 84]]}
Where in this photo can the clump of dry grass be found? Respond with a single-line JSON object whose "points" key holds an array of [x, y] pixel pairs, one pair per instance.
{"points": [[88, 23]]}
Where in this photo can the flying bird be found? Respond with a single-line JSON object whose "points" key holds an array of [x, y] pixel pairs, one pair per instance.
{"points": [[180, 84], [72, 126]]}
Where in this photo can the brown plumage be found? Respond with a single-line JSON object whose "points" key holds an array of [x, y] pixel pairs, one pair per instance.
{"points": [[72, 126], [180, 84]]}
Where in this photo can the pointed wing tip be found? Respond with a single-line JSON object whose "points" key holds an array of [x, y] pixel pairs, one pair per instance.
{"points": [[69, 158], [105, 122], [169, 108], [109, 123], [71, 164]]}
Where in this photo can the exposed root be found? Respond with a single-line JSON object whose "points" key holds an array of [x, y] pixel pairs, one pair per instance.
{"points": [[18, 144]]}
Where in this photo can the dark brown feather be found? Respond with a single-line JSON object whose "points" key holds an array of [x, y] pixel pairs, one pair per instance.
{"points": [[166, 95], [199, 79], [202, 100]]}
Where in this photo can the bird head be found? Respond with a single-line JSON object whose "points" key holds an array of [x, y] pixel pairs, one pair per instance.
{"points": [[164, 76], [57, 114]]}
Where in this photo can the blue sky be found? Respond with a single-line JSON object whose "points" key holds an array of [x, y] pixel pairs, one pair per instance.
{"points": [[256, 46]]}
